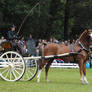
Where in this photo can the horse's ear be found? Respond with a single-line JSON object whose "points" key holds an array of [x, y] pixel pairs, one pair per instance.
{"points": [[86, 30]]}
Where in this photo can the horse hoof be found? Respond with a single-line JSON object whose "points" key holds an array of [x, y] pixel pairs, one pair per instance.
{"points": [[48, 81], [38, 81], [84, 82]]}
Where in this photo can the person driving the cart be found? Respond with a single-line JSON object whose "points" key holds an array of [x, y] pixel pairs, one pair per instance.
{"points": [[11, 33], [12, 37]]}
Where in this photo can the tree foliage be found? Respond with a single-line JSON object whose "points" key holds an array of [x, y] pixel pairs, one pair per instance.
{"points": [[60, 18]]}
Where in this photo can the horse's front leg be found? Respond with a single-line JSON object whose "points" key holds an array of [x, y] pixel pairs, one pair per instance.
{"points": [[81, 71], [84, 72]]}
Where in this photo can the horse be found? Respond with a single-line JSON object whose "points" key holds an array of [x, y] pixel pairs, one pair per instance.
{"points": [[81, 46]]}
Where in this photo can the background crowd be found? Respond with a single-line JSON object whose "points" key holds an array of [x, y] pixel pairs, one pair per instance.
{"points": [[31, 45]]}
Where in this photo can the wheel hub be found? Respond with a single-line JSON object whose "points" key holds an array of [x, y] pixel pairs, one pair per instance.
{"points": [[11, 66]]}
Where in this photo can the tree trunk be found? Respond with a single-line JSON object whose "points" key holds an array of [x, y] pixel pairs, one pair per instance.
{"points": [[53, 11], [66, 20]]}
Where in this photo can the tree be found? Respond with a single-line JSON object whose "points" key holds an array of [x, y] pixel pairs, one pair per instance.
{"points": [[53, 9], [66, 19], [82, 12]]}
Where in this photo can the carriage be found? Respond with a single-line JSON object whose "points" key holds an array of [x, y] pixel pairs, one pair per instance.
{"points": [[14, 67]]}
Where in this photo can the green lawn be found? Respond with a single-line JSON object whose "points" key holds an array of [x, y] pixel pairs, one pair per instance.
{"points": [[61, 80]]}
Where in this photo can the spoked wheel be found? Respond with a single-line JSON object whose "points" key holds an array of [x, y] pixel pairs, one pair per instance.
{"points": [[31, 70], [12, 66]]}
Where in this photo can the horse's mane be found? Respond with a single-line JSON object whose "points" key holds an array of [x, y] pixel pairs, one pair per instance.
{"points": [[84, 38], [83, 35]]}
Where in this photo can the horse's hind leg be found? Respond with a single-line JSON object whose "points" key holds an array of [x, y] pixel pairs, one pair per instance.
{"points": [[47, 68], [84, 72], [41, 65], [38, 76], [81, 71]]}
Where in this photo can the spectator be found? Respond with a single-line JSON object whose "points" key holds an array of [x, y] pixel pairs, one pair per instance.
{"points": [[53, 40], [22, 45], [31, 48], [2, 39], [44, 42], [66, 43]]}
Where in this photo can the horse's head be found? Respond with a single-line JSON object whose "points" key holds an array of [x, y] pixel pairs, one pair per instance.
{"points": [[86, 38], [90, 34]]}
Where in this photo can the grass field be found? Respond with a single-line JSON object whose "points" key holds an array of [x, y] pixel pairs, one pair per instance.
{"points": [[61, 80]]}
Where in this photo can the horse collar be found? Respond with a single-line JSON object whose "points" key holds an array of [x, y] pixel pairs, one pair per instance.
{"points": [[84, 48]]}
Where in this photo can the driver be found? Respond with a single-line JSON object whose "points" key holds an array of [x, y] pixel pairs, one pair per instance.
{"points": [[13, 38], [11, 33]]}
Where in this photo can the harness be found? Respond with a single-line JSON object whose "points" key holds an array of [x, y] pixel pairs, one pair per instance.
{"points": [[78, 52], [72, 47], [83, 47]]}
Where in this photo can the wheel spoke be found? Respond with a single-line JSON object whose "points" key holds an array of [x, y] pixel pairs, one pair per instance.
{"points": [[14, 57], [7, 57], [18, 64], [14, 74], [30, 72], [32, 69], [17, 72], [19, 69], [11, 57], [5, 71], [10, 75], [27, 75]]}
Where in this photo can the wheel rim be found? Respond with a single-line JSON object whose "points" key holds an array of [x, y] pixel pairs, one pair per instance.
{"points": [[31, 70], [13, 66]]}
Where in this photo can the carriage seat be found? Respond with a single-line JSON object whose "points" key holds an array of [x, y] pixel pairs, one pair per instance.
{"points": [[5, 45]]}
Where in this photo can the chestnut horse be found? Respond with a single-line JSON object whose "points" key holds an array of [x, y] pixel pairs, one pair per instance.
{"points": [[81, 46]]}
